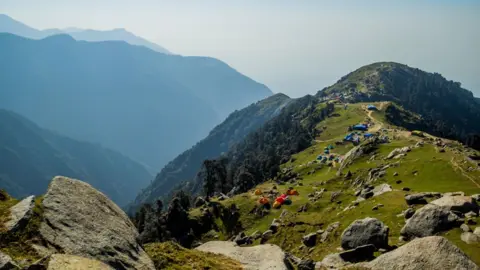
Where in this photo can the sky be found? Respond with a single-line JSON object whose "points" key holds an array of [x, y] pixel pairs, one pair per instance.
{"points": [[294, 47]]}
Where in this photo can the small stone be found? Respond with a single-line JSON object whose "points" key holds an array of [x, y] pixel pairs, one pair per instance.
{"points": [[395, 174], [471, 214], [6, 262], [471, 221], [477, 231], [409, 213], [470, 238], [309, 240], [398, 181], [406, 189], [465, 228]]}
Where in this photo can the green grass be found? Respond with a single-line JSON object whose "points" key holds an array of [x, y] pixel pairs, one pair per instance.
{"points": [[170, 256], [434, 172]]}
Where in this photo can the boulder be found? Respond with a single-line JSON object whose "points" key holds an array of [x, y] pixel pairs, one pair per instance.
{"points": [[79, 220], [20, 213], [477, 231], [432, 252], [429, 220], [199, 201], [476, 197], [242, 239], [456, 193], [331, 228], [274, 226], [71, 262], [421, 198], [309, 240], [465, 228], [267, 256], [7, 263], [364, 232], [380, 189], [461, 204], [255, 235], [470, 238], [358, 254], [267, 235]]}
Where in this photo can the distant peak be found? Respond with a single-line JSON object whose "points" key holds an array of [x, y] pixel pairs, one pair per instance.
{"points": [[60, 37]]}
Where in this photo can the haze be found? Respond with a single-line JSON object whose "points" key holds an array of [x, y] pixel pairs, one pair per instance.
{"points": [[294, 47]]}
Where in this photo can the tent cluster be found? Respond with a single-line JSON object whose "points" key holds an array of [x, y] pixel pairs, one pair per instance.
{"points": [[283, 199]]}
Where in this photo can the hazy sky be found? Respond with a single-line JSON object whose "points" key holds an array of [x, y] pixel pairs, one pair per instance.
{"points": [[294, 47]]}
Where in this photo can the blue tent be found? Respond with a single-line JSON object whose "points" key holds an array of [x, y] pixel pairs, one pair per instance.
{"points": [[319, 157], [371, 107], [367, 135], [348, 137], [360, 127]]}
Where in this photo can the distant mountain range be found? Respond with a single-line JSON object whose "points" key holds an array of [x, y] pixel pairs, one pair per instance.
{"points": [[9, 25], [147, 105], [30, 156], [221, 138]]}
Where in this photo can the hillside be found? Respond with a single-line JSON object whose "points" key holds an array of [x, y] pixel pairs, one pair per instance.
{"points": [[147, 105], [332, 192], [9, 25], [221, 138], [31, 156], [447, 110]]}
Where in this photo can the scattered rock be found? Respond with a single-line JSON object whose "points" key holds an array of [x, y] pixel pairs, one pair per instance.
{"points": [[79, 220], [331, 228], [432, 252], [284, 213], [470, 238], [359, 254], [256, 235], [471, 221], [265, 256], [302, 208], [477, 231], [429, 220], [7, 263], [398, 151], [365, 231], [395, 174], [463, 204], [409, 213], [275, 225], [309, 240], [20, 214], [242, 239], [471, 214], [441, 150], [332, 261], [307, 264], [465, 228], [398, 181], [457, 193], [406, 189], [476, 197], [380, 189], [71, 262], [421, 198], [267, 235]]}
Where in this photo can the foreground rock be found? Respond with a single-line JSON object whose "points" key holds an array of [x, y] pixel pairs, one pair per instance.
{"points": [[71, 262], [266, 256], [340, 260], [432, 252], [20, 214], [463, 204], [6, 262], [364, 232], [429, 220], [79, 220], [421, 198]]}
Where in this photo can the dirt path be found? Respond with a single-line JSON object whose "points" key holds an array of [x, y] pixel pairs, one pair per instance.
{"points": [[456, 166]]}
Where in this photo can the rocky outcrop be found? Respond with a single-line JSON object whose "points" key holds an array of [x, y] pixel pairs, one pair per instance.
{"points": [[463, 204], [432, 252], [6, 263], [428, 221], [324, 235], [364, 232], [398, 151], [421, 198], [71, 262], [20, 214], [380, 189], [268, 257], [79, 220]]}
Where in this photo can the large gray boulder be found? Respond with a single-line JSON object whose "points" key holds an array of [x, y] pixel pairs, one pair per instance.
{"points": [[267, 256], [364, 232], [463, 204], [72, 262], [20, 214], [421, 198], [79, 220], [382, 188], [429, 220], [432, 252], [6, 262]]}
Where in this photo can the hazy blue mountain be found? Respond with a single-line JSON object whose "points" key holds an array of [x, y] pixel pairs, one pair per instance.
{"points": [[9, 25], [30, 156], [221, 138], [150, 106]]}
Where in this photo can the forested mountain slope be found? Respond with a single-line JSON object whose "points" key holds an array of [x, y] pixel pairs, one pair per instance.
{"points": [[221, 138], [147, 105], [31, 156]]}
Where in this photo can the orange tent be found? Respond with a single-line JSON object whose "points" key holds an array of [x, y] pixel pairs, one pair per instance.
{"points": [[292, 192], [263, 200], [258, 192]]}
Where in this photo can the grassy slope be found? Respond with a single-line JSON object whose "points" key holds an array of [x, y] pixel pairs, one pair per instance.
{"points": [[170, 256], [435, 172]]}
